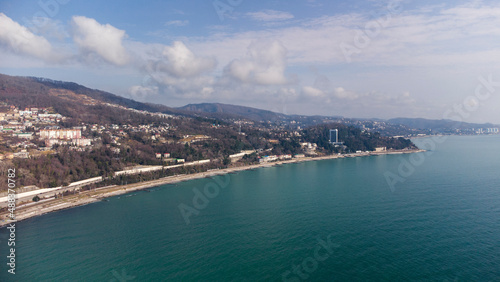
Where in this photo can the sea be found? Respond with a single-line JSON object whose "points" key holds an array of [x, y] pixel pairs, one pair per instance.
{"points": [[429, 216]]}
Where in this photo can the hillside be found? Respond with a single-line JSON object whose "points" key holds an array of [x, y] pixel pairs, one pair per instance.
{"points": [[43, 92], [74, 101], [109, 97], [353, 138], [234, 110], [390, 127], [62, 96]]}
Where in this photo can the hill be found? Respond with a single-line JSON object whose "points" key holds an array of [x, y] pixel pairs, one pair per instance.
{"points": [[227, 111], [234, 110], [102, 95], [74, 101], [63, 96]]}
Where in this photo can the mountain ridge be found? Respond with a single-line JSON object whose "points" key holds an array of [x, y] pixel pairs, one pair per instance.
{"points": [[209, 110]]}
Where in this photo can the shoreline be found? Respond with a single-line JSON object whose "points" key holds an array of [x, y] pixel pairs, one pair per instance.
{"points": [[30, 210]]}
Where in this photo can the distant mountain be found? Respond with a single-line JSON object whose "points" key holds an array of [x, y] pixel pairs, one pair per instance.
{"points": [[41, 92], [35, 90], [103, 96], [437, 125], [72, 99], [234, 110]]}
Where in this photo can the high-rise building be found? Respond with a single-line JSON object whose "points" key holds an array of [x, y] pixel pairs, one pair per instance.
{"points": [[334, 136]]}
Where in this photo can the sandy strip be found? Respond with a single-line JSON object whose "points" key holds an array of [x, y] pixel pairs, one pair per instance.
{"points": [[30, 210]]}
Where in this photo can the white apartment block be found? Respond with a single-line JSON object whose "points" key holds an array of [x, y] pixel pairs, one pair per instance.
{"points": [[60, 134]]}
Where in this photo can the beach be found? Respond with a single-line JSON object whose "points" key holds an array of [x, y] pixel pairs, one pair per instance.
{"points": [[45, 206]]}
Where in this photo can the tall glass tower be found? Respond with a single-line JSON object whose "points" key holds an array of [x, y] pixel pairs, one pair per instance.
{"points": [[334, 136]]}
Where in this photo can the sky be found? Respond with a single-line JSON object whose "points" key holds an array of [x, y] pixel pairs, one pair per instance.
{"points": [[358, 59]]}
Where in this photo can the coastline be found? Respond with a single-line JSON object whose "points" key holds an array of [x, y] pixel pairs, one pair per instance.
{"points": [[87, 197]]}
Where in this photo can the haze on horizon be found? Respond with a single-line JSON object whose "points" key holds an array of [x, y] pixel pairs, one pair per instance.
{"points": [[369, 58]]}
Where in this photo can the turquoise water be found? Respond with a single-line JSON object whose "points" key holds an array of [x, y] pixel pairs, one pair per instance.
{"points": [[441, 224]]}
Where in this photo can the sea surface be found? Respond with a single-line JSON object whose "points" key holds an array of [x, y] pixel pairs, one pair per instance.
{"points": [[432, 216]]}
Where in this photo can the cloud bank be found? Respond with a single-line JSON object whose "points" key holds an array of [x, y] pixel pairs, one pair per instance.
{"points": [[265, 64], [103, 40], [20, 40], [294, 63]]}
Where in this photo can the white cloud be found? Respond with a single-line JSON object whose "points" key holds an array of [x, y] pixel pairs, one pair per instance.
{"points": [[265, 64], [433, 51], [270, 15], [141, 93], [48, 28], [175, 70], [103, 40], [421, 37], [20, 40], [172, 64], [324, 90], [177, 23], [312, 92], [340, 101], [193, 88], [341, 93], [179, 61], [346, 102], [338, 94]]}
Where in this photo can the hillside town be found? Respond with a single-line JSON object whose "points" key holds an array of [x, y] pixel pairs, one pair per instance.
{"points": [[36, 131], [85, 143]]}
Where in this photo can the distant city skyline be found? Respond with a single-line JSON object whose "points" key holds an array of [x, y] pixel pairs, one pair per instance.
{"points": [[366, 59]]}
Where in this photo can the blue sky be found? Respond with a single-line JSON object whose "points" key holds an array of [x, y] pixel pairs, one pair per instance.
{"points": [[366, 59]]}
